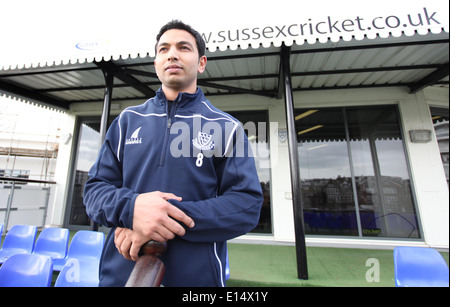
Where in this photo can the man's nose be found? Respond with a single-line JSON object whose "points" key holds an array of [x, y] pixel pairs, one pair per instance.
{"points": [[172, 55]]}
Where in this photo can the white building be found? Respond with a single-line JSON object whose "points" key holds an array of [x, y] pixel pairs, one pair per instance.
{"points": [[29, 142], [366, 85]]}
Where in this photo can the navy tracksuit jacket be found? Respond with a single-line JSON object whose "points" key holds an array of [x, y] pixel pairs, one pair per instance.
{"points": [[191, 149]]}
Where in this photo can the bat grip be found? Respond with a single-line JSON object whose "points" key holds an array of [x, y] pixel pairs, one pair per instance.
{"points": [[149, 269], [154, 248]]}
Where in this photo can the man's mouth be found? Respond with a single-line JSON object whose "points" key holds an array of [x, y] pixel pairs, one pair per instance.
{"points": [[173, 68]]}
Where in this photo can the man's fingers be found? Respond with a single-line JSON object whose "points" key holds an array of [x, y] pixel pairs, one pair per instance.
{"points": [[118, 237], [180, 216], [125, 249], [154, 214], [134, 252], [167, 196]]}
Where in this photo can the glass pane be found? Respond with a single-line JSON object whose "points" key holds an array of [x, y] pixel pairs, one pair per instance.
{"points": [[256, 127], [440, 122], [326, 184], [86, 156], [383, 185]]}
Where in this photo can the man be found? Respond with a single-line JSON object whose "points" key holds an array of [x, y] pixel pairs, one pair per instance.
{"points": [[174, 169]]}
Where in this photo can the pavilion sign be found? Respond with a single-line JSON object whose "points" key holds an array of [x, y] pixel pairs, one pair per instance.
{"points": [[79, 35], [329, 27]]}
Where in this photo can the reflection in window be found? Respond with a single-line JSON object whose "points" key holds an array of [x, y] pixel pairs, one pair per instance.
{"points": [[86, 156], [440, 123], [256, 126], [354, 174]]}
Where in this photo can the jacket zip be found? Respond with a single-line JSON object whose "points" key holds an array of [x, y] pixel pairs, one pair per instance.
{"points": [[170, 119]]}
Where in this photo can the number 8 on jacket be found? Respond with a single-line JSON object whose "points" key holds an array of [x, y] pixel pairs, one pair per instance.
{"points": [[199, 161]]}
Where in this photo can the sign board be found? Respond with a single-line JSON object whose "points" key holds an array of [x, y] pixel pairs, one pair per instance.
{"points": [[53, 32]]}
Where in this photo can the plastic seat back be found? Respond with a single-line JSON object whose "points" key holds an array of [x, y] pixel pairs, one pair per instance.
{"points": [[26, 270], [19, 240], [79, 273], [420, 267], [52, 242], [87, 245]]}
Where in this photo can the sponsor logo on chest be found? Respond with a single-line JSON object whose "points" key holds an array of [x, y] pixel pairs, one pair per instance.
{"points": [[134, 139]]}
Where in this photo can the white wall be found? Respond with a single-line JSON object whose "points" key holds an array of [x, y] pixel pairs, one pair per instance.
{"points": [[25, 125], [55, 215], [427, 170]]}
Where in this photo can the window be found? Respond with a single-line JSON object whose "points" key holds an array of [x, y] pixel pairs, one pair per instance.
{"points": [[440, 122], [354, 175], [256, 125], [87, 151]]}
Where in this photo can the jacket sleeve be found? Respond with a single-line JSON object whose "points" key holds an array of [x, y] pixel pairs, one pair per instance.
{"points": [[106, 201], [236, 209]]}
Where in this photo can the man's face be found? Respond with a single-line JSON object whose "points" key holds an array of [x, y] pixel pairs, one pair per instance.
{"points": [[177, 63]]}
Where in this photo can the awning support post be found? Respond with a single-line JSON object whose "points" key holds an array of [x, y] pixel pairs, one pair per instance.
{"points": [[109, 81], [300, 246]]}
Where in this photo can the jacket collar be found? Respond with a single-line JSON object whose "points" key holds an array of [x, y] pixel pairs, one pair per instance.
{"points": [[183, 99]]}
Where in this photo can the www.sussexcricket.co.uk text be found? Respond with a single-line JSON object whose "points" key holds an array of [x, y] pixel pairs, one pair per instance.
{"points": [[326, 26]]}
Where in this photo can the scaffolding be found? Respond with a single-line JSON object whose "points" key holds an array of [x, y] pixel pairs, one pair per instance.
{"points": [[29, 140]]}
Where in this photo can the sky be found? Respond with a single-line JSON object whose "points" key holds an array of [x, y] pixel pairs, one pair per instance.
{"points": [[27, 121]]}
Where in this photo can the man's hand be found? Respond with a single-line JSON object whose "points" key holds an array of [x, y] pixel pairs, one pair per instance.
{"points": [[154, 217], [129, 242]]}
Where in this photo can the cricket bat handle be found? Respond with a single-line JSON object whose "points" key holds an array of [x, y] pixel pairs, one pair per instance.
{"points": [[149, 269]]}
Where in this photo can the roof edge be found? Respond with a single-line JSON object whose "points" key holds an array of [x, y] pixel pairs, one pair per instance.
{"points": [[214, 46]]}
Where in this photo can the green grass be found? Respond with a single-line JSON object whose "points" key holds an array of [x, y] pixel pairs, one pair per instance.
{"points": [[275, 266]]}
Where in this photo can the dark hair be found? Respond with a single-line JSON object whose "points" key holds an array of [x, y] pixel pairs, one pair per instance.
{"points": [[179, 25]]}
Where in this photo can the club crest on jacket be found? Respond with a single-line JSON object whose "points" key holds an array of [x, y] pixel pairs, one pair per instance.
{"points": [[203, 141]]}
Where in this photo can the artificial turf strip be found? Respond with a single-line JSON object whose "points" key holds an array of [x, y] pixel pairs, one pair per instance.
{"points": [[275, 266]]}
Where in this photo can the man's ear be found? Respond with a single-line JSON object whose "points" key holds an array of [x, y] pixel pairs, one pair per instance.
{"points": [[202, 66]]}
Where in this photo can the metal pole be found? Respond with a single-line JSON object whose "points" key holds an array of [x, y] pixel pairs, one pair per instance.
{"points": [[300, 246], [8, 205], [109, 80], [352, 173]]}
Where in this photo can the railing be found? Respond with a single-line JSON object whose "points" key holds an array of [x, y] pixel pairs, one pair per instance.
{"points": [[21, 203]]}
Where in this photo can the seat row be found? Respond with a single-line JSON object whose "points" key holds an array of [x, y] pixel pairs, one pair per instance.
{"points": [[33, 264], [27, 261]]}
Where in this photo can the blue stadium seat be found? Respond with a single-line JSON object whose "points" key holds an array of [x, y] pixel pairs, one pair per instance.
{"points": [[52, 242], [79, 273], [18, 240], [86, 245], [26, 270], [419, 267]]}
